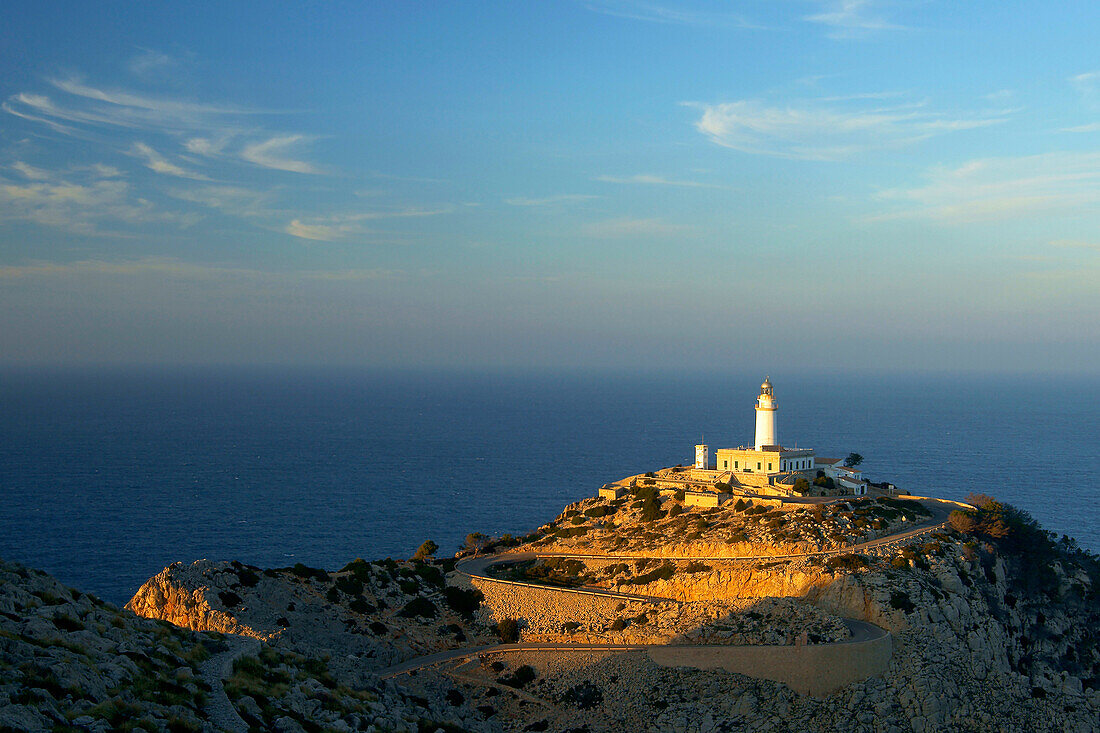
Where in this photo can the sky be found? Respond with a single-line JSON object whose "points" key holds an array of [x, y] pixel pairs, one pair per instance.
{"points": [[820, 184]]}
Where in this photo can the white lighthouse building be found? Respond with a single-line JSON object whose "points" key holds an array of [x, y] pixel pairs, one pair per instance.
{"points": [[766, 407], [765, 458]]}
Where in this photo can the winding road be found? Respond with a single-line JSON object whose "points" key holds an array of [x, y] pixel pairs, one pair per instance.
{"points": [[477, 568]]}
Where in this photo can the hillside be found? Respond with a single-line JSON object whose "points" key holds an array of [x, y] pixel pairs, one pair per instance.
{"points": [[992, 624]]}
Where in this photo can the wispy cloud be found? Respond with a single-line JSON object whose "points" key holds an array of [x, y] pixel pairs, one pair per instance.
{"points": [[650, 180], [344, 226], [561, 198], [1076, 244], [1088, 85], [630, 227], [151, 64], [208, 130], [853, 18], [275, 153], [81, 206], [666, 13], [235, 200], [174, 268], [30, 172], [1091, 127], [821, 130], [157, 163], [998, 188]]}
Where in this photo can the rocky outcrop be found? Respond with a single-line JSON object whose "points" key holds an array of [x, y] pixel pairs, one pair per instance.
{"points": [[367, 616], [195, 606], [70, 662]]}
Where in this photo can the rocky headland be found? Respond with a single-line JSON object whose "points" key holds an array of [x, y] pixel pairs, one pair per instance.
{"points": [[982, 622]]}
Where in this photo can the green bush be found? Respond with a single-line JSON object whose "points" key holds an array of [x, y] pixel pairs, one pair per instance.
{"points": [[426, 550], [900, 600], [664, 572], [850, 563], [228, 598], [430, 574], [508, 630], [350, 585], [463, 601], [676, 510], [248, 578], [419, 607], [358, 567], [304, 571], [651, 509], [739, 506]]}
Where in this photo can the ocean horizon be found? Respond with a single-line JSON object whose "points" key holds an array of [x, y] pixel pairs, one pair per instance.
{"points": [[110, 474]]}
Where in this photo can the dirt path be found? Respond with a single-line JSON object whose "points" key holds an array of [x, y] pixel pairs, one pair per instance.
{"points": [[219, 711]]}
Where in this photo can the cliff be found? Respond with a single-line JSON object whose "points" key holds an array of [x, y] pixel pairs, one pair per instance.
{"points": [[992, 621]]}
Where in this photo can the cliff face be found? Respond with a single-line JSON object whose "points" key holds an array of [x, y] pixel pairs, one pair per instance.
{"points": [[69, 662], [167, 596], [368, 616]]}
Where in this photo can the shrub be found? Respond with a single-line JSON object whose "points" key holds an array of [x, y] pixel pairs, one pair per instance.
{"points": [[598, 511], [664, 572], [850, 563], [570, 626], [801, 486], [419, 607], [900, 600], [304, 571], [739, 506], [475, 541], [462, 600], [676, 510], [229, 599], [430, 574], [64, 622], [520, 677], [697, 567], [426, 550], [651, 509], [618, 625], [350, 585], [679, 495], [583, 696], [358, 567], [508, 630], [248, 578], [362, 605], [645, 492], [378, 627]]}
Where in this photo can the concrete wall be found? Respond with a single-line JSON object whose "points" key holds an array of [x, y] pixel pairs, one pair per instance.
{"points": [[810, 670]]}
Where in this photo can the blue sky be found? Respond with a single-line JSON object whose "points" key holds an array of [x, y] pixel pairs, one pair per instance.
{"points": [[820, 184]]}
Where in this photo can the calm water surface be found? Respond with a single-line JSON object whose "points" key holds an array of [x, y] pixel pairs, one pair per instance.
{"points": [[108, 476]]}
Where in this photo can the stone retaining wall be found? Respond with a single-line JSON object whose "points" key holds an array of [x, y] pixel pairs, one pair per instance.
{"points": [[810, 670]]}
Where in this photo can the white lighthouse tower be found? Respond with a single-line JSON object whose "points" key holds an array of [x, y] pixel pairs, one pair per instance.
{"points": [[765, 416]]}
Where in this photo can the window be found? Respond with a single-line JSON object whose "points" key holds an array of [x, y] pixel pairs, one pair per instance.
{"points": [[735, 464], [725, 464], [769, 465], [758, 465]]}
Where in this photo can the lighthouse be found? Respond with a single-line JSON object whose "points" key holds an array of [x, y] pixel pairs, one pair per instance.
{"points": [[765, 416]]}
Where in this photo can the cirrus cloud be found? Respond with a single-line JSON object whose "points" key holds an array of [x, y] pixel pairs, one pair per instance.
{"points": [[826, 130]]}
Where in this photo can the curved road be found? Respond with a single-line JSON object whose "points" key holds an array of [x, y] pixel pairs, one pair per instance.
{"points": [[476, 567]]}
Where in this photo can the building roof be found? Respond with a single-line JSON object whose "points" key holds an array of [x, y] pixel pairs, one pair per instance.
{"points": [[827, 461]]}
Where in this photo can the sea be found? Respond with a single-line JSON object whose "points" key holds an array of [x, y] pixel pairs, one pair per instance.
{"points": [[107, 475]]}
